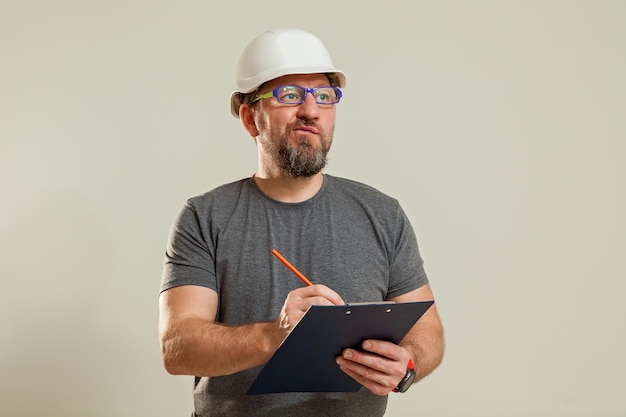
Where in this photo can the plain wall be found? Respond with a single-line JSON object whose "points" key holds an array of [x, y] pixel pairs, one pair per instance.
{"points": [[499, 125]]}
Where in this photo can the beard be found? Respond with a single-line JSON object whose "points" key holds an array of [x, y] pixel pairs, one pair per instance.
{"points": [[301, 159]]}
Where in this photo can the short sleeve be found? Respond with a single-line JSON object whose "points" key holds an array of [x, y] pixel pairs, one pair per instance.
{"points": [[407, 267], [189, 256]]}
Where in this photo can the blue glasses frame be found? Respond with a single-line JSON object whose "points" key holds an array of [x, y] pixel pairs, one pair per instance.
{"points": [[275, 93]]}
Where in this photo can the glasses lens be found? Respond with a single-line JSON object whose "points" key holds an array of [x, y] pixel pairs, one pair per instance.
{"points": [[326, 95], [290, 94]]}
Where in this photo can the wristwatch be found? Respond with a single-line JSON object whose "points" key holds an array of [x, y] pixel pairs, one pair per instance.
{"points": [[408, 379]]}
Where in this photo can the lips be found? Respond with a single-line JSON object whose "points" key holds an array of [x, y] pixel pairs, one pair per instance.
{"points": [[307, 129]]}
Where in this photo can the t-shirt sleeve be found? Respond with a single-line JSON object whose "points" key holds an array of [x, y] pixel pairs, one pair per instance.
{"points": [[407, 267], [189, 256]]}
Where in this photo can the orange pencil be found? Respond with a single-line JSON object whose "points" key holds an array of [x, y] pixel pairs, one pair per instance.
{"points": [[291, 267]]}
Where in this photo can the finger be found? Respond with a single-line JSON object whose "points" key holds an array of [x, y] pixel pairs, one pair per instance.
{"points": [[322, 294], [365, 362], [373, 357], [300, 300], [374, 387], [386, 349], [377, 382]]}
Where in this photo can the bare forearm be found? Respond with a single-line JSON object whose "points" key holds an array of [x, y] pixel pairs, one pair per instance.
{"points": [[426, 345], [425, 341], [194, 346]]}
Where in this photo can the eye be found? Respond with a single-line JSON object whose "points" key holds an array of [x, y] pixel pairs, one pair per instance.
{"points": [[290, 95], [325, 95]]}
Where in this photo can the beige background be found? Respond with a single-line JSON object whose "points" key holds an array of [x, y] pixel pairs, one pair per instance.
{"points": [[498, 125]]}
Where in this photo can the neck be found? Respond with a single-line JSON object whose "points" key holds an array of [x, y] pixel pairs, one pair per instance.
{"points": [[289, 189]]}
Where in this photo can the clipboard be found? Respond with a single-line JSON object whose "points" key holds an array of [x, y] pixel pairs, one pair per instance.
{"points": [[305, 361]]}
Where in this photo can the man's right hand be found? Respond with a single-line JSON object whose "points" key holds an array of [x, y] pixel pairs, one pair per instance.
{"points": [[298, 302]]}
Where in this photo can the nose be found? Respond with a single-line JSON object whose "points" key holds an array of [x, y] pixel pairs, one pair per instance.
{"points": [[309, 108]]}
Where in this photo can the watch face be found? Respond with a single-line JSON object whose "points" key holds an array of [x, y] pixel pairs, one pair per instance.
{"points": [[411, 378], [406, 383]]}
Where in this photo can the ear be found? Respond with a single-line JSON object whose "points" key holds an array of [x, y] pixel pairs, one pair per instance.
{"points": [[246, 115]]}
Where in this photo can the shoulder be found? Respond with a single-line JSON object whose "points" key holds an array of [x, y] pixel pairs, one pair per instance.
{"points": [[223, 195], [215, 206], [359, 191]]}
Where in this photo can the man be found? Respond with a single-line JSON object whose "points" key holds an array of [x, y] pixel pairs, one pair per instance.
{"points": [[226, 304]]}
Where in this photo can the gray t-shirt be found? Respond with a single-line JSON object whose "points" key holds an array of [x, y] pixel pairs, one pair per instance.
{"points": [[349, 237]]}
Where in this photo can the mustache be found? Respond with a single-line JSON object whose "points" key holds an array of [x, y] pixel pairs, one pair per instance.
{"points": [[303, 121]]}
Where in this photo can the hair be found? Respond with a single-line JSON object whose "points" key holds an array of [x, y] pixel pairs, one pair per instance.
{"points": [[332, 79], [246, 98]]}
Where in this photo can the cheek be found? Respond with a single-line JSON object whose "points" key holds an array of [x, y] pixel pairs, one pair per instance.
{"points": [[277, 125], [262, 123]]}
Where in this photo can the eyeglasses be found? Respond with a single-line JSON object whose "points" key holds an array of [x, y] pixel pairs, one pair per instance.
{"points": [[293, 94]]}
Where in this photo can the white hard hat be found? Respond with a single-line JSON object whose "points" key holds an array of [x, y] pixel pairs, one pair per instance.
{"points": [[280, 52]]}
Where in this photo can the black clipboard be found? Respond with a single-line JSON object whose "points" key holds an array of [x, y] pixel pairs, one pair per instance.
{"points": [[305, 361]]}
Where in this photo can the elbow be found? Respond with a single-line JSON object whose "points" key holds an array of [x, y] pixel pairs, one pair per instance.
{"points": [[171, 365], [173, 368], [171, 356], [439, 349]]}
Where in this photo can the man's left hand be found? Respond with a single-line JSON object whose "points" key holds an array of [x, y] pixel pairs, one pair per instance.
{"points": [[379, 367]]}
